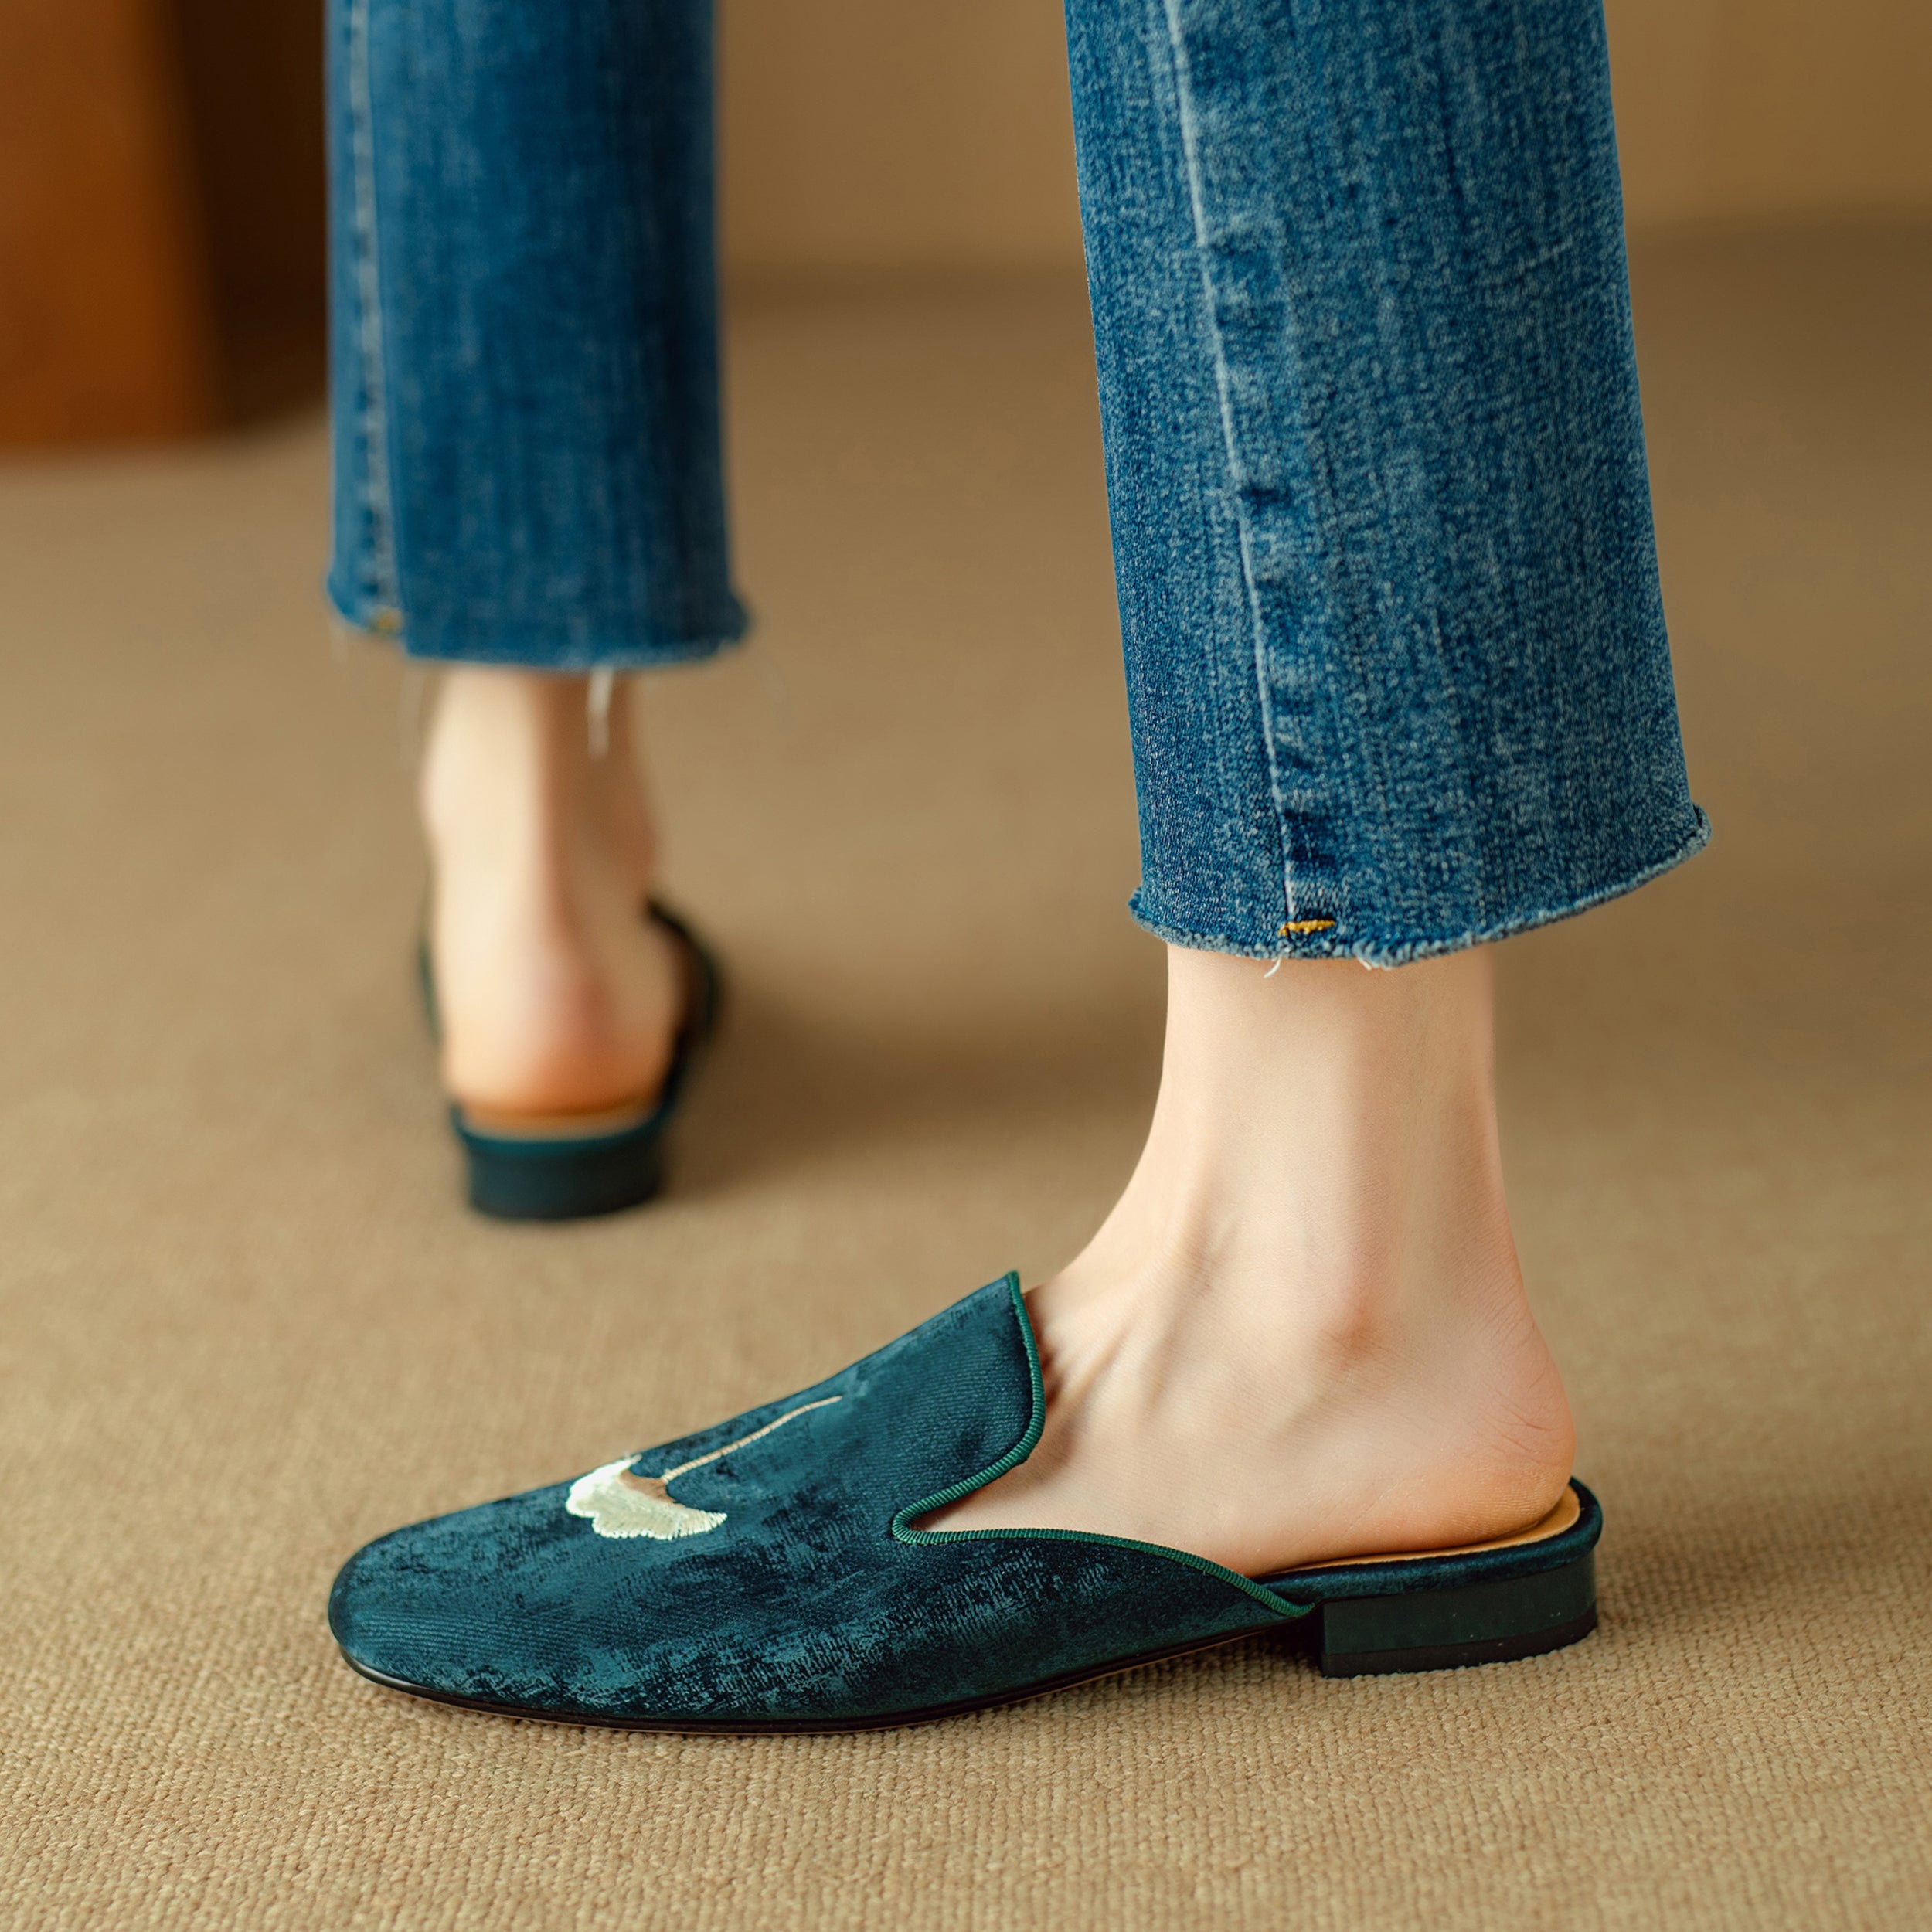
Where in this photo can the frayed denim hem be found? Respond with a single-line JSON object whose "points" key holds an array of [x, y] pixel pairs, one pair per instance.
{"points": [[1381, 950], [384, 623]]}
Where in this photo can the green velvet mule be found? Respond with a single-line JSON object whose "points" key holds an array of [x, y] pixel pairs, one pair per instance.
{"points": [[770, 1574], [567, 1167]]}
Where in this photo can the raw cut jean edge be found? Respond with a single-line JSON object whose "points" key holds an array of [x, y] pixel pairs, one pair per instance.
{"points": [[381, 625], [1386, 951]]}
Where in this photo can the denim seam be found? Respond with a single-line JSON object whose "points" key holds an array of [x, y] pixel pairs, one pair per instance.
{"points": [[378, 498], [1183, 96]]}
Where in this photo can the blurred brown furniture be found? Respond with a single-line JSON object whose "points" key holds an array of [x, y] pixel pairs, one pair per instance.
{"points": [[161, 215], [106, 312]]}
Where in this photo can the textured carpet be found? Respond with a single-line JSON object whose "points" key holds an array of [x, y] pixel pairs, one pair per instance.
{"points": [[247, 1323]]}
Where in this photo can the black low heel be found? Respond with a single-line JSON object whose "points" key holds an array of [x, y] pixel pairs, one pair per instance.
{"points": [[1482, 1623], [532, 1180], [1489, 1604]]}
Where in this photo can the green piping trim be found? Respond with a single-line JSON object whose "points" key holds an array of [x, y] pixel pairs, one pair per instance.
{"points": [[905, 1533]]}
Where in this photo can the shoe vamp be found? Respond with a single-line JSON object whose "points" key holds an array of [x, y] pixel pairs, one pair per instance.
{"points": [[799, 1622], [760, 1577]]}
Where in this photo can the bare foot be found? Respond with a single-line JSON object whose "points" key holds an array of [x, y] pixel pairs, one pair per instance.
{"points": [[1301, 1333], [556, 995]]}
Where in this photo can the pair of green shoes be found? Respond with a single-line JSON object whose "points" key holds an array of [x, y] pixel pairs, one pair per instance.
{"points": [[772, 1573]]}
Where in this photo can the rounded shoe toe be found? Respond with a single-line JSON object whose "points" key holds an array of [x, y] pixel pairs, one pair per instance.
{"points": [[445, 1607]]}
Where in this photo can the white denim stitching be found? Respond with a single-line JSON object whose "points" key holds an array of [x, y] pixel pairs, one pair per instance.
{"points": [[378, 497]]}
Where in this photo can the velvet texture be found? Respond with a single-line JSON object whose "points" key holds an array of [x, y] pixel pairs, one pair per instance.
{"points": [[803, 1605], [817, 1599]]}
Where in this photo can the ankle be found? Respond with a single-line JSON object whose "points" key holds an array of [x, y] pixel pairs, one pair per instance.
{"points": [[1266, 1331], [520, 767], [505, 763], [1307, 1299], [556, 994], [1323, 1155]]}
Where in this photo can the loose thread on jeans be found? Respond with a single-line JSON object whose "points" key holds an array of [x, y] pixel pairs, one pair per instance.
{"points": [[1289, 926], [596, 705]]}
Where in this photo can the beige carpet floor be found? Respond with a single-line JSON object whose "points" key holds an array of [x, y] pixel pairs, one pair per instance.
{"points": [[247, 1323]]}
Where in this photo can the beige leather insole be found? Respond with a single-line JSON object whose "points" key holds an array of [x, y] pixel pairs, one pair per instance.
{"points": [[556, 1127], [1566, 1512]]}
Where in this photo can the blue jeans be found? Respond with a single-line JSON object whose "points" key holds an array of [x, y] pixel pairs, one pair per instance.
{"points": [[1395, 658]]}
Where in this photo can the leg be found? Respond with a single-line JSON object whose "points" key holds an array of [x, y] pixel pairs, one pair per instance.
{"points": [[554, 996], [527, 483], [1398, 684]]}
